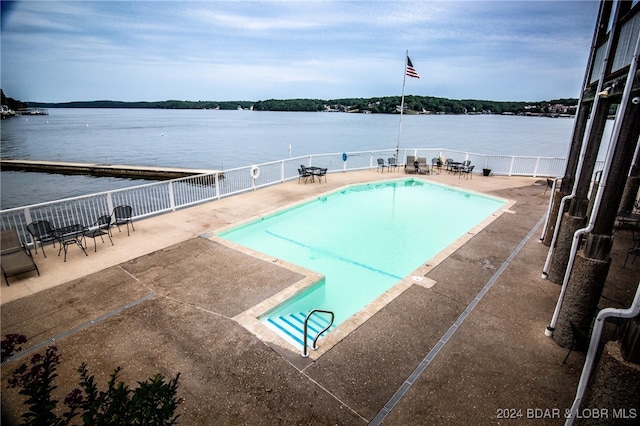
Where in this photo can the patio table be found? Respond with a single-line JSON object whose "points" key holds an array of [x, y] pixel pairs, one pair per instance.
{"points": [[314, 171], [68, 235], [455, 166], [627, 219]]}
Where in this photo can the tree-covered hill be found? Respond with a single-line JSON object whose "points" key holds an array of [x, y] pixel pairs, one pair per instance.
{"points": [[380, 105], [11, 103], [170, 104]]}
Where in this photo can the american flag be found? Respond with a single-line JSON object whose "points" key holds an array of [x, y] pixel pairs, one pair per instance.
{"points": [[411, 71]]}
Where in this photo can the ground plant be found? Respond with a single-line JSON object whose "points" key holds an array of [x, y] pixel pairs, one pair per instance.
{"points": [[153, 402]]}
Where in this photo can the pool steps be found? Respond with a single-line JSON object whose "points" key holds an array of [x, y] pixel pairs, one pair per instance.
{"points": [[292, 326]]}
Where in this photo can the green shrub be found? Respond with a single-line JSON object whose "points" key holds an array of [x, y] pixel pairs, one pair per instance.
{"points": [[11, 344], [152, 402]]}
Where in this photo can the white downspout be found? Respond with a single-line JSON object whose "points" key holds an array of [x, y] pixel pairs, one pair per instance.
{"points": [[551, 197], [631, 312], [615, 135], [572, 256]]}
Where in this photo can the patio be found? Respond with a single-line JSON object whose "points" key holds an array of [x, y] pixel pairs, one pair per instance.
{"points": [[167, 299]]}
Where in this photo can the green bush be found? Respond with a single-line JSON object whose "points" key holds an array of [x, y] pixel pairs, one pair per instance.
{"points": [[152, 402]]}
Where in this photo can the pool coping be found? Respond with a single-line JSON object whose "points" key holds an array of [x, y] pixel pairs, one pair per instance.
{"points": [[249, 319]]}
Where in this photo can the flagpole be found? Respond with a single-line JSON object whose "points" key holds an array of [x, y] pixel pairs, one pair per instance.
{"points": [[404, 80]]}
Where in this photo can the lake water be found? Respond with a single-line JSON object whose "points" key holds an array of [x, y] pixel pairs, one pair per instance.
{"points": [[213, 139]]}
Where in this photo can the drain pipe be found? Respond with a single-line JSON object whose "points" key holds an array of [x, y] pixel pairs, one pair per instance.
{"points": [[556, 230], [572, 256], [631, 312], [546, 221], [613, 142]]}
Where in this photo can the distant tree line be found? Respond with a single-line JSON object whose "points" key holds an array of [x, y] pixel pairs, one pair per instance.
{"points": [[170, 104], [381, 105], [290, 105], [416, 104]]}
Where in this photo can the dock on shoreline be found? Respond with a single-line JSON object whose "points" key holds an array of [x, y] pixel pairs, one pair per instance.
{"points": [[110, 170]]}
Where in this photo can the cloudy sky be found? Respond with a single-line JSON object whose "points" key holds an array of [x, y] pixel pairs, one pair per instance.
{"points": [[139, 50]]}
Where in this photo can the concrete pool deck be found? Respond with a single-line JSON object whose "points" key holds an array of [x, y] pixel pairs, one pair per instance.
{"points": [[167, 299]]}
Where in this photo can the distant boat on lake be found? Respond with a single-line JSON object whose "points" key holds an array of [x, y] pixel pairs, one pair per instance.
{"points": [[33, 111], [7, 112]]}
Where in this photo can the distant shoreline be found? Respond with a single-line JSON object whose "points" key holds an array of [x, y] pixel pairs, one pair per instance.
{"points": [[383, 105]]}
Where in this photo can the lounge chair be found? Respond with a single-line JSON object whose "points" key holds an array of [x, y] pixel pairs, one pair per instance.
{"points": [[41, 231], [381, 164], [16, 259], [422, 167], [101, 227], [123, 215], [409, 166]]}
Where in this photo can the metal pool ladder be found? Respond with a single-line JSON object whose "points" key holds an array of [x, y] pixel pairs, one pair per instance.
{"points": [[306, 325]]}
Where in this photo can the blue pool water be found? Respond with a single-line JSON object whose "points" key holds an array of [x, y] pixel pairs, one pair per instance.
{"points": [[363, 239]]}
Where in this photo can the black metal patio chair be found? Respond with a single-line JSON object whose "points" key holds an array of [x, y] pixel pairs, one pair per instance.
{"points": [[322, 172], [579, 340], [42, 232], [391, 163], [635, 251], [101, 227], [303, 174], [466, 171], [436, 164], [123, 215]]}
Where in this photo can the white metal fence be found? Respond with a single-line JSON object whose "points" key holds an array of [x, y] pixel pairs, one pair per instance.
{"points": [[156, 198]]}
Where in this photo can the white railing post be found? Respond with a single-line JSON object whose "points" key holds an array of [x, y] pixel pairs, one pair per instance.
{"points": [[216, 178], [27, 215], [172, 200], [28, 220], [513, 159], [282, 171], [535, 169], [109, 202]]}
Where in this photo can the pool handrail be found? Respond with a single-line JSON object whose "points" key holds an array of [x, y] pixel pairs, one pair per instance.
{"points": [[314, 345]]}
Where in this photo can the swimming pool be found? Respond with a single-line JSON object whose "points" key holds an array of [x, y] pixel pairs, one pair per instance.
{"points": [[363, 239]]}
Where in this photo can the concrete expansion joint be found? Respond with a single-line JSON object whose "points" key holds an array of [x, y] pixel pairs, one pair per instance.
{"points": [[182, 302], [333, 396], [80, 327], [129, 273]]}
